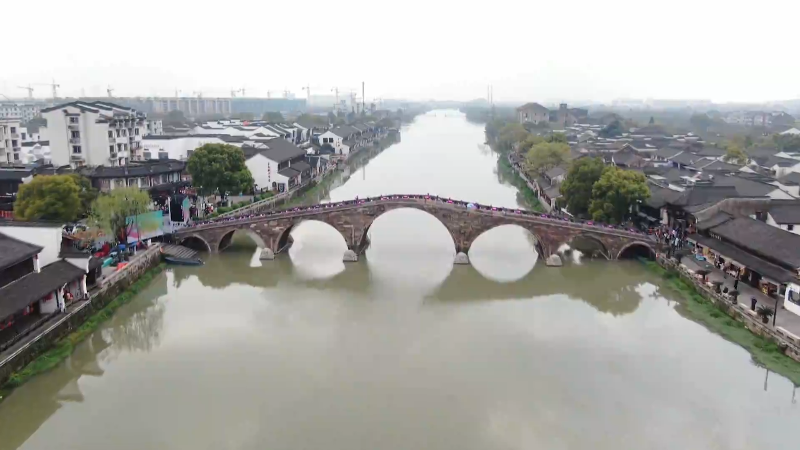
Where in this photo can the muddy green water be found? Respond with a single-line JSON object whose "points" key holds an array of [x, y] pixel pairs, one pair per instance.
{"points": [[402, 350]]}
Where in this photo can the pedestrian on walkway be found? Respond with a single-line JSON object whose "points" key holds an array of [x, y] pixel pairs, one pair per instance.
{"points": [[736, 282], [753, 303]]}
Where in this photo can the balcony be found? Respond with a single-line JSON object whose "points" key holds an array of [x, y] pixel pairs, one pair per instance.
{"points": [[74, 140], [73, 126], [76, 156], [112, 140]]}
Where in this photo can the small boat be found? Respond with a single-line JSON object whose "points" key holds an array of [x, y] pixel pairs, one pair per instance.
{"points": [[183, 261]]}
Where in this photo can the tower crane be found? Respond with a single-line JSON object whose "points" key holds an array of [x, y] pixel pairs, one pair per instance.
{"points": [[29, 89], [52, 85]]}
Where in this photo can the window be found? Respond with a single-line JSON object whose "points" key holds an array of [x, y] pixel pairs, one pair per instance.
{"points": [[189, 153], [13, 130], [790, 227], [147, 155], [73, 120], [16, 156], [111, 134], [163, 156], [111, 149], [76, 149], [136, 131], [75, 134]]}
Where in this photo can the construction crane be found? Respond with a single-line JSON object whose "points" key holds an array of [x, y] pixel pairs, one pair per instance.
{"points": [[52, 85], [29, 89], [199, 94], [307, 88], [110, 92], [286, 93]]}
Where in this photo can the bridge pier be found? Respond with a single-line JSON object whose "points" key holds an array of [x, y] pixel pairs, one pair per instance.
{"points": [[461, 259], [350, 256], [267, 254]]}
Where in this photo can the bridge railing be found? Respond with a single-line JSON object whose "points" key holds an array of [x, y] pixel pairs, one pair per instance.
{"points": [[416, 199]]}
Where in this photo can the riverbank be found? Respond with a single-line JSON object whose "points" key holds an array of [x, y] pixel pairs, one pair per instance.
{"points": [[728, 323], [54, 345]]}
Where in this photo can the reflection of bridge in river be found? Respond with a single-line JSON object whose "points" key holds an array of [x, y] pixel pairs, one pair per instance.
{"points": [[464, 222], [609, 289]]}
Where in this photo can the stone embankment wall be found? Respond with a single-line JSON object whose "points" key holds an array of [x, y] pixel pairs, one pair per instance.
{"points": [[739, 312], [111, 287]]}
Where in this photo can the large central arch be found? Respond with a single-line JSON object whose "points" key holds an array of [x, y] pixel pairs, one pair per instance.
{"points": [[363, 242]]}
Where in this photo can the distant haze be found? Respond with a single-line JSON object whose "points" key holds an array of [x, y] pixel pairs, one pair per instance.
{"points": [[538, 51]]}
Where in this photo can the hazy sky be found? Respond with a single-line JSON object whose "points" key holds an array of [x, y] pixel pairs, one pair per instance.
{"points": [[529, 50]]}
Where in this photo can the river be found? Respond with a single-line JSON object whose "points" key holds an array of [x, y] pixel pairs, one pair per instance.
{"points": [[402, 350]]}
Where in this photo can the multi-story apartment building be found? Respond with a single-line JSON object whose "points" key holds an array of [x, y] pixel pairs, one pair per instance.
{"points": [[10, 140], [93, 134], [22, 111], [154, 127]]}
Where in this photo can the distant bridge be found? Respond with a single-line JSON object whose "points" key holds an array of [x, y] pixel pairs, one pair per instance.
{"points": [[463, 220]]}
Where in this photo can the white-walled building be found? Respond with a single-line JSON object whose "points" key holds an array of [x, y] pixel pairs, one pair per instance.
{"points": [[22, 111], [10, 140], [175, 147], [277, 165], [336, 138], [94, 134]]}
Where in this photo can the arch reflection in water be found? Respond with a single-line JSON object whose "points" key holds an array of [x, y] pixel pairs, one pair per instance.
{"points": [[409, 250], [609, 288], [504, 253]]}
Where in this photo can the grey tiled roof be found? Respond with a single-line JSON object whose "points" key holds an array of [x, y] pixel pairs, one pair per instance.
{"points": [[765, 240], [787, 213], [34, 286], [13, 251]]}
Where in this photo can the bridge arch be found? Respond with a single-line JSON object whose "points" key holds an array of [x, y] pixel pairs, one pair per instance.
{"points": [[592, 240], [363, 241], [196, 242], [225, 240], [635, 249], [285, 237], [538, 244]]}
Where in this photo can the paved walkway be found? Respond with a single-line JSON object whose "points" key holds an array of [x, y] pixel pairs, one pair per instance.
{"points": [[789, 321]]}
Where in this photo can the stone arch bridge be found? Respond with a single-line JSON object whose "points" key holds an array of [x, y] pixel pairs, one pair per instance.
{"points": [[353, 219]]}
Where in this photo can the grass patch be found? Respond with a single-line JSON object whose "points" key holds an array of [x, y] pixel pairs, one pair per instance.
{"points": [[700, 309], [64, 347]]}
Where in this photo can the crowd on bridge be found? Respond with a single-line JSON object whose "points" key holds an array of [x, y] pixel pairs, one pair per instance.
{"points": [[433, 198]]}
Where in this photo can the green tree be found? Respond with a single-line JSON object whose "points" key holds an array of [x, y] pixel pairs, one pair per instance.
{"points": [[787, 142], [86, 192], [531, 140], [700, 121], [577, 187], [219, 169], [318, 121], [558, 137], [273, 116], [615, 193], [174, 118], [511, 134], [735, 155], [111, 211], [54, 197], [546, 155], [613, 129]]}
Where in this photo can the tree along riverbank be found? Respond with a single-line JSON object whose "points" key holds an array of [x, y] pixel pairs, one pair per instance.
{"points": [[697, 307], [526, 195], [63, 348]]}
